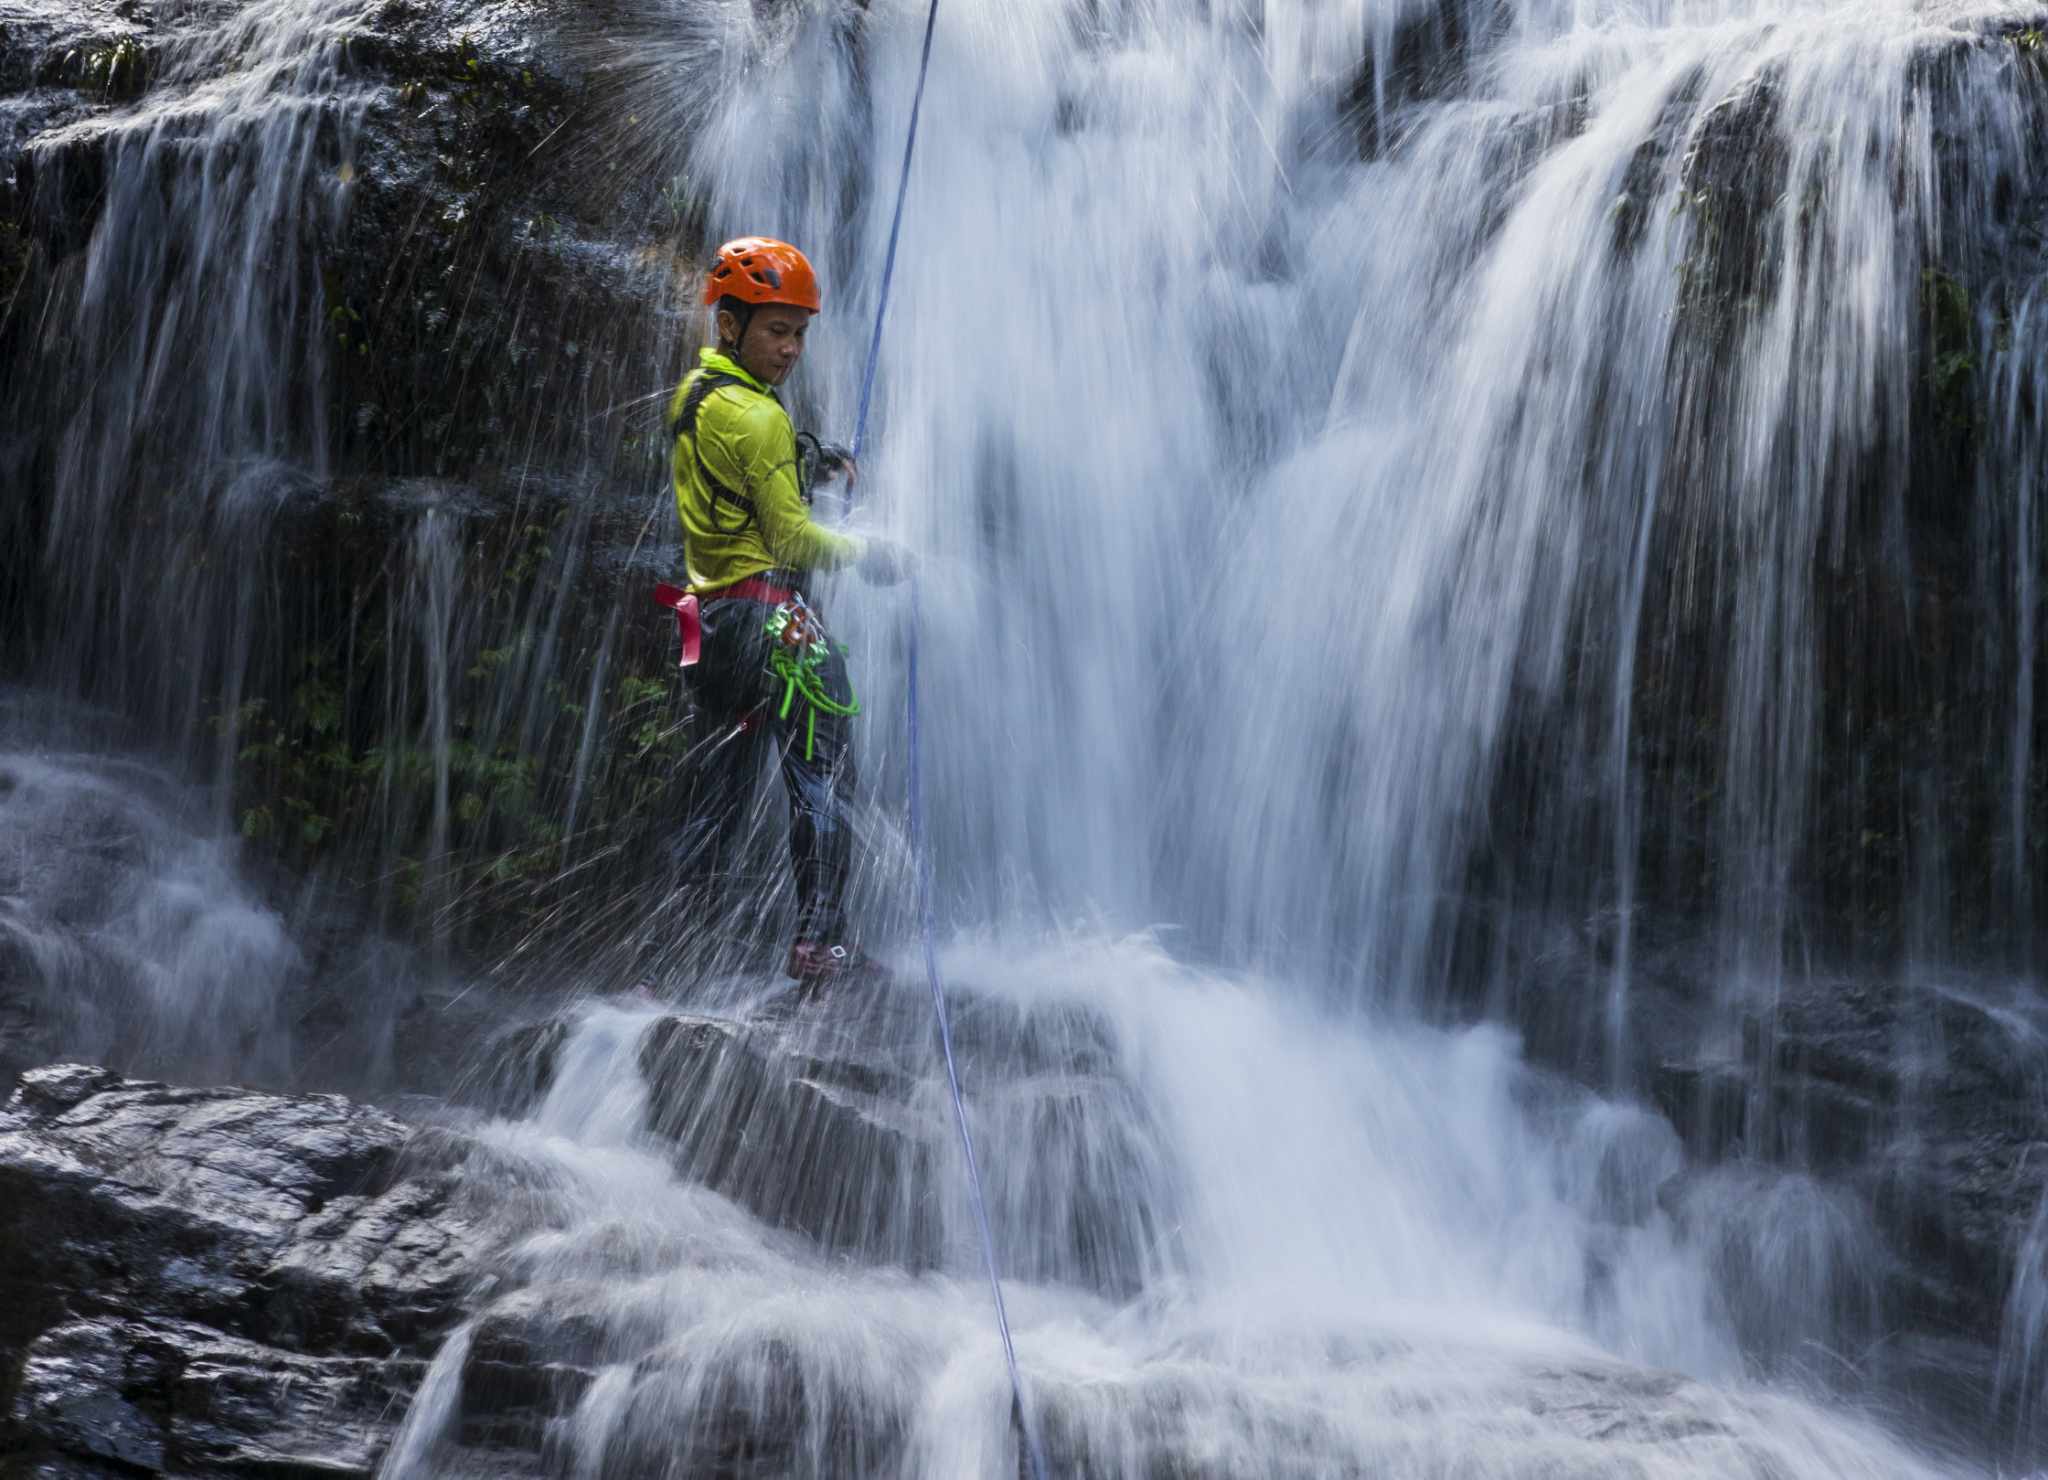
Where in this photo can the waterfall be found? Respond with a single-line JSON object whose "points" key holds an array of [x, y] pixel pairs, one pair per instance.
{"points": [[186, 361], [1371, 1251], [1481, 569]]}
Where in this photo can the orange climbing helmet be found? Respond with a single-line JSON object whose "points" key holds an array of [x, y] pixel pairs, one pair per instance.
{"points": [[759, 269]]}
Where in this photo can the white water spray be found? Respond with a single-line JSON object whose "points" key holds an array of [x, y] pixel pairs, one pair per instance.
{"points": [[1395, 1252], [1280, 457], [1286, 441]]}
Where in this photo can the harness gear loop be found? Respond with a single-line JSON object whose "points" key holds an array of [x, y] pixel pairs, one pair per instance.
{"points": [[799, 650]]}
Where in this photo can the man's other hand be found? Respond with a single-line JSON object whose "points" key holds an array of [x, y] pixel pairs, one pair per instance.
{"points": [[885, 563]]}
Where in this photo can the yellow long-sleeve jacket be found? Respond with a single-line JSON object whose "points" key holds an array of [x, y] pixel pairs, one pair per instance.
{"points": [[748, 515]]}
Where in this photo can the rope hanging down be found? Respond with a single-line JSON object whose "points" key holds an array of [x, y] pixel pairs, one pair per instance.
{"points": [[867, 379], [920, 854], [922, 857]]}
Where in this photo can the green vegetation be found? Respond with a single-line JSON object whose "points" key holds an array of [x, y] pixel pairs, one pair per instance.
{"points": [[117, 71], [678, 206], [354, 763]]}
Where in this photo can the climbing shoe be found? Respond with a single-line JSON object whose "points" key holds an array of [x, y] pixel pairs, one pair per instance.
{"points": [[817, 963]]}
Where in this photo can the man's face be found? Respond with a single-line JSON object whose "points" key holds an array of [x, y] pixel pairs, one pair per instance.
{"points": [[773, 343]]}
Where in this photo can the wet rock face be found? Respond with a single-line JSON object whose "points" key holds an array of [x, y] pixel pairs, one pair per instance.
{"points": [[769, 1134], [1872, 1143], [214, 1281], [1922, 1098], [823, 1125], [832, 1122], [432, 423], [480, 294], [481, 258]]}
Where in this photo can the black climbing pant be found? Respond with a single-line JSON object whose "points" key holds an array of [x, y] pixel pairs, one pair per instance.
{"points": [[732, 681]]}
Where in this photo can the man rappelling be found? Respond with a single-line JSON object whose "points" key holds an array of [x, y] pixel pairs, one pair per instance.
{"points": [[743, 486]]}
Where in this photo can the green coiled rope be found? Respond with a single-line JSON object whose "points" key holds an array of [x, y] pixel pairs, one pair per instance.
{"points": [[798, 670]]}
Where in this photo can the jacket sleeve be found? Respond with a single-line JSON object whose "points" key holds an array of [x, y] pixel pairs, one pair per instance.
{"points": [[764, 446]]}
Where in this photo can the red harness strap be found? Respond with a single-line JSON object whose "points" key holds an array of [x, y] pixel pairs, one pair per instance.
{"points": [[753, 588], [690, 630]]}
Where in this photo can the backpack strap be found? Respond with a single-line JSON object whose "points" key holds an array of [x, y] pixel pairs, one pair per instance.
{"points": [[685, 424]]}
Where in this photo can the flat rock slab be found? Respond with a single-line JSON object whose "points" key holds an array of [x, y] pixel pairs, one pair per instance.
{"points": [[216, 1281]]}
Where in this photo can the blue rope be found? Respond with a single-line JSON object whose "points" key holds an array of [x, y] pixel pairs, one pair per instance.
{"points": [[867, 380], [923, 864], [920, 854]]}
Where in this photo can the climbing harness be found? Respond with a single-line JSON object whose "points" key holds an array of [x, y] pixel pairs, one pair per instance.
{"points": [[920, 853], [798, 650]]}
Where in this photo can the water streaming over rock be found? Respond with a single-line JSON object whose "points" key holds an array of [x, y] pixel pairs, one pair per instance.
{"points": [[1318, 461], [194, 358], [132, 932], [128, 935], [1425, 510], [1390, 1251]]}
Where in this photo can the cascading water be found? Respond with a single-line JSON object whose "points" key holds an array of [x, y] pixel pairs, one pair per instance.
{"points": [[1605, 351], [2009, 537], [130, 933], [1388, 1252], [190, 368], [1273, 499], [1368, 463], [138, 942]]}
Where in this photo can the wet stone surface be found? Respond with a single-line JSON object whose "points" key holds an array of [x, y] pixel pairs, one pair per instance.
{"points": [[216, 1281], [774, 1109], [1922, 1098]]}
